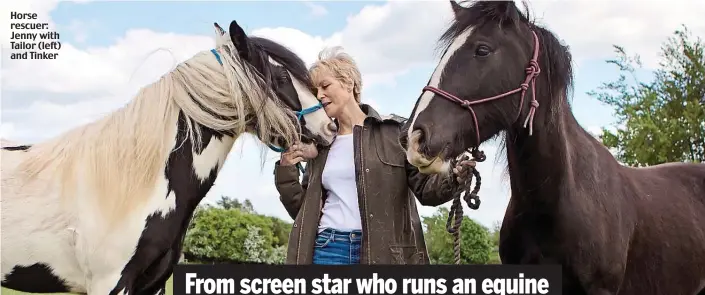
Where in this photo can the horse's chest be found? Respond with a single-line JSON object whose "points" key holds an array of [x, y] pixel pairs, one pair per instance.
{"points": [[104, 246], [519, 245]]}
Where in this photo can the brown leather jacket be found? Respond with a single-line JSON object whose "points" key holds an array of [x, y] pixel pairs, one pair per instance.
{"points": [[386, 184]]}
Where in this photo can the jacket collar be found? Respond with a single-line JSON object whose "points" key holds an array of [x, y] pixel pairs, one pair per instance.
{"points": [[371, 113]]}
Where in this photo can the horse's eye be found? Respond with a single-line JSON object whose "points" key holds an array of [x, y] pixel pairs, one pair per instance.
{"points": [[284, 77], [482, 50]]}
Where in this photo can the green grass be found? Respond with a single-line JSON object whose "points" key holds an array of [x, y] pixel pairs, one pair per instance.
{"points": [[5, 291]]}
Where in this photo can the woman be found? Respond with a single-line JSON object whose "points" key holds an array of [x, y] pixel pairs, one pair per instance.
{"points": [[355, 202]]}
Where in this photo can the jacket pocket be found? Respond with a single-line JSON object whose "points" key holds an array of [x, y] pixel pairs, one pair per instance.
{"points": [[389, 151], [406, 254]]}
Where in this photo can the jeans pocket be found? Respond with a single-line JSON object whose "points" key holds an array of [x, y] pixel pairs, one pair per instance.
{"points": [[322, 241]]}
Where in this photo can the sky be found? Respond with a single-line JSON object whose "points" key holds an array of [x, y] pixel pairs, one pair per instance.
{"points": [[110, 49]]}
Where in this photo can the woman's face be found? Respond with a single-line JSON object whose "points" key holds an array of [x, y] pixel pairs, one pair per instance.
{"points": [[333, 95]]}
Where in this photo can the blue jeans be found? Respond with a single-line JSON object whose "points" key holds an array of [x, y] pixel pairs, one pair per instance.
{"points": [[337, 247]]}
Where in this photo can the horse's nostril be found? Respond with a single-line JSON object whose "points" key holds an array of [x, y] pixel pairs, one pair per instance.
{"points": [[332, 127], [421, 138], [404, 140]]}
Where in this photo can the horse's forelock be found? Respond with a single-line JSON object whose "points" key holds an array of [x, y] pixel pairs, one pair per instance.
{"points": [[479, 13]]}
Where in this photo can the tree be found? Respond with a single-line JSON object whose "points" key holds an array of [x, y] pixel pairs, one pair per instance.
{"points": [[475, 243], [217, 233], [280, 230], [255, 248], [232, 232], [227, 202], [664, 120], [494, 237]]}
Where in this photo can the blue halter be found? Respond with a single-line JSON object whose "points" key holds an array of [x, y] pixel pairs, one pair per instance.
{"points": [[299, 115]]}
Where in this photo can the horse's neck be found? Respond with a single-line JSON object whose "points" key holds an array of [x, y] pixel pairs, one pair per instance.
{"points": [[557, 155], [193, 166]]}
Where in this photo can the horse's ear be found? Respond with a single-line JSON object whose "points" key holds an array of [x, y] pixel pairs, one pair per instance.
{"points": [[220, 37], [218, 29], [239, 39], [507, 10], [456, 8]]}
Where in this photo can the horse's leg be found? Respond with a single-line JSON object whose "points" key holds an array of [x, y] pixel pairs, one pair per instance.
{"points": [[147, 274], [510, 249], [107, 266], [159, 273]]}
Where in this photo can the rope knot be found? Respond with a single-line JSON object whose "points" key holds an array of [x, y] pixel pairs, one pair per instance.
{"points": [[533, 64], [524, 86], [533, 69], [530, 118], [465, 103]]}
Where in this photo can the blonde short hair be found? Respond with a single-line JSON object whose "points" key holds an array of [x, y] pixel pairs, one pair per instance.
{"points": [[339, 64]]}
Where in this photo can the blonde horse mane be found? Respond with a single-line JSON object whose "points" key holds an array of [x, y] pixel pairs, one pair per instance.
{"points": [[120, 157]]}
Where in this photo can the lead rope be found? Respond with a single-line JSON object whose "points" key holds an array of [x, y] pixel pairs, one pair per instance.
{"points": [[455, 214]]}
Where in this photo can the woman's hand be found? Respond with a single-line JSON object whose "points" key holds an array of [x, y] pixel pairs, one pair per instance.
{"points": [[297, 153], [462, 170]]}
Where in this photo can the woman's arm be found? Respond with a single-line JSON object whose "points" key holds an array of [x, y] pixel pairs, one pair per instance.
{"points": [[291, 192], [429, 189]]}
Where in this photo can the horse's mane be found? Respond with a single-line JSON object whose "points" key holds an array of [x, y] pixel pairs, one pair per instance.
{"points": [[120, 157]]}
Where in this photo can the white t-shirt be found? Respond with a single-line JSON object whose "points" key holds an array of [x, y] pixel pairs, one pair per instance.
{"points": [[341, 210]]}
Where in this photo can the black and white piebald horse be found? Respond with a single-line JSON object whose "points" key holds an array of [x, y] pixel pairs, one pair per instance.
{"points": [[103, 208]]}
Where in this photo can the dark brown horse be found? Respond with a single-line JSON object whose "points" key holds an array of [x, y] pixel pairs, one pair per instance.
{"points": [[614, 229]]}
